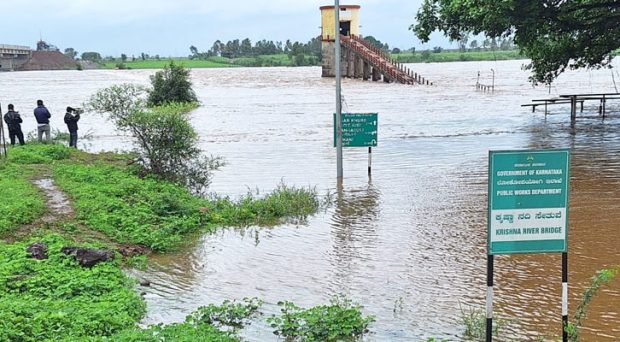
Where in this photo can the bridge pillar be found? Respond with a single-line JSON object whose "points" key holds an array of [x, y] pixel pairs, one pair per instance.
{"points": [[350, 64], [366, 71], [359, 67], [329, 60], [376, 75]]}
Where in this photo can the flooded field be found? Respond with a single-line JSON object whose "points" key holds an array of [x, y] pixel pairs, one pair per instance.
{"points": [[408, 243]]}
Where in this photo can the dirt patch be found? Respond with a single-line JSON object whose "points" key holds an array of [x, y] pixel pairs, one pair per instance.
{"points": [[58, 203]]}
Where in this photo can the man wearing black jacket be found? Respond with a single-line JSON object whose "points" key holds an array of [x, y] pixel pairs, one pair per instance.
{"points": [[71, 121], [13, 121]]}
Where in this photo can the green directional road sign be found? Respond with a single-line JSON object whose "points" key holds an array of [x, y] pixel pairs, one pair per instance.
{"points": [[358, 129], [528, 201]]}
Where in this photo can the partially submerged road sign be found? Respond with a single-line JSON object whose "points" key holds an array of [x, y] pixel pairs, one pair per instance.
{"points": [[358, 129], [528, 201]]}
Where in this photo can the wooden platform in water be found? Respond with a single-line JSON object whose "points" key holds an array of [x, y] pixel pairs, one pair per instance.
{"points": [[573, 100]]}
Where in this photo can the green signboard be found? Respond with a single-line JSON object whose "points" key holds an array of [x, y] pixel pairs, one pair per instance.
{"points": [[358, 129], [528, 201]]}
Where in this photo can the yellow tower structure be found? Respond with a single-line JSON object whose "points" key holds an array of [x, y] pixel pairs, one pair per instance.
{"points": [[349, 25], [349, 21]]}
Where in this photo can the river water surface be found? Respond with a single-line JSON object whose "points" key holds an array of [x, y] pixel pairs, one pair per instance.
{"points": [[410, 242]]}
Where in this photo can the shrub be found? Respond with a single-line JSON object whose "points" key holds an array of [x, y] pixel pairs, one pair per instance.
{"points": [[166, 143], [340, 320], [45, 300], [171, 85]]}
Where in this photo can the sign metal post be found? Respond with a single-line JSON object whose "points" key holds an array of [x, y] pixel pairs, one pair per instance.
{"points": [[528, 212]]}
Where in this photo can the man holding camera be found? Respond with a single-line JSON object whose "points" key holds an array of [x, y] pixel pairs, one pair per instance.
{"points": [[71, 121], [13, 120]]}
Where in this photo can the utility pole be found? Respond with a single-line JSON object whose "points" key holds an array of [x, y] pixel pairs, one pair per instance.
{"points": [[338, 93]]}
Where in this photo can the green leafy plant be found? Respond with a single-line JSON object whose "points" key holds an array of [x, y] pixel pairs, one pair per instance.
{"points": [[341, 319], [43, 300], [475, 323], [166, 143], [229, 313], [172, 84], [601, 278]]}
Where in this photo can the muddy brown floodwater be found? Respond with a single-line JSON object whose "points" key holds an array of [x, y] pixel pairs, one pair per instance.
{"points": [[409, 244]]}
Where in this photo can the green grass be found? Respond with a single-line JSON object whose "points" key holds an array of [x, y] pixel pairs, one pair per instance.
{"points": [[21, 202], [212, 62], [340, 320], [42, 300], [57, 300], [130, 209], [456, 56]]}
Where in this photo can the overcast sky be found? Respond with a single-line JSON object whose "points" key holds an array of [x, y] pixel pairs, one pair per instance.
{"points": [[170, 27]]}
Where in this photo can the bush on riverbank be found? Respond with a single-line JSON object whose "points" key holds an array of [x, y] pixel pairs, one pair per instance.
{"points": [[341, 319], [43, 300]]}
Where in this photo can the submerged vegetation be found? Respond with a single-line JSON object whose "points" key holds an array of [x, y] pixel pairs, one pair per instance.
{"points": [[341, 319]]}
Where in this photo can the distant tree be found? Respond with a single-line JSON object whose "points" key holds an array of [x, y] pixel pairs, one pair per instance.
{"points": [[493, 44], [426, 55], [246, 47], [300, 59], [216, 48], [123, 57], [172, 84], [396, 51], [144, 56], [463, 42], [288, 46], [412, 50], [194, 52], [556, 35], [315, 47], [506, 44], [377, 43], [437, 49], [91, 56], [486, 43], [70, 52], [474, 44]]}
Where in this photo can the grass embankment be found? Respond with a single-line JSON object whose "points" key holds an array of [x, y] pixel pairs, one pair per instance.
{"points": [[456, 56], [285, 60], [211, 62], [56, 299]]}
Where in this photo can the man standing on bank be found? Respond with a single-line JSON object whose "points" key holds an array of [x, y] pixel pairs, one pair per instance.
{"points": [[43, 119], [13, 121], [71, 121]]}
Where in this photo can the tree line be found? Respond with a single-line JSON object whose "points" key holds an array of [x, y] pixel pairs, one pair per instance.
{"points": [[302, 53]]}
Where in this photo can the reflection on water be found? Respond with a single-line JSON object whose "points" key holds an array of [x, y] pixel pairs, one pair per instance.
{"points": [[410, 243]]}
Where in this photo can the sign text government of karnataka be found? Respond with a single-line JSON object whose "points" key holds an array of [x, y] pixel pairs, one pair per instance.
{"points": [[528, 201]]}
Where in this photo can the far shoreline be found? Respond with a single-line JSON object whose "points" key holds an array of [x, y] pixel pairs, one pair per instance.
{"points": [[283, 60]]}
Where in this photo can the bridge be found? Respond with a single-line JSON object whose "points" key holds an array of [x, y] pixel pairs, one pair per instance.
{"points": [[369, 62], [13, 56], [359, 58]]}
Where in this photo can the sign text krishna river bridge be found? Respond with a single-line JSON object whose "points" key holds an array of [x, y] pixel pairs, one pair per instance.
{"points": [[528, 201], [528, 212]]}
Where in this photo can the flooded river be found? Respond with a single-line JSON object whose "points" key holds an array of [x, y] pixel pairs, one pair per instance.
{"points": [[408, 243]]}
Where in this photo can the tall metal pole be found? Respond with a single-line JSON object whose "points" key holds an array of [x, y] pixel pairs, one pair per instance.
{"points": [[2, 136], [338, 95]]}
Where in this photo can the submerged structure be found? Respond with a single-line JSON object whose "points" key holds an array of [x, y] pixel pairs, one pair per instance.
{"points": [[46, 57], [359, 59], [13, 57]]}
